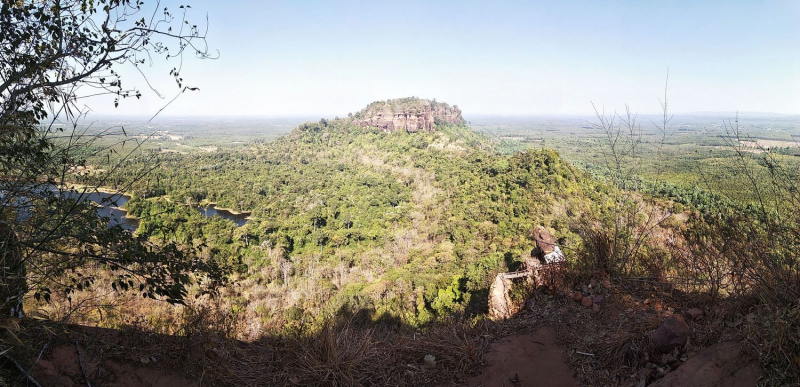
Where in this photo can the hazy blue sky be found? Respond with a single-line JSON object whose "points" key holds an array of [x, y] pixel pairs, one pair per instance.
{"points": [[489, 57]]}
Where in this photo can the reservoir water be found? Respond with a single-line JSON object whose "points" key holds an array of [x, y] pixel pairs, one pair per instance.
{"points": [[110, 205], [211, 210]]}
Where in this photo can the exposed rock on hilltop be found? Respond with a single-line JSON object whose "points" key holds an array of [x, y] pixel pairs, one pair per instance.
{"points": [[409, 114]]}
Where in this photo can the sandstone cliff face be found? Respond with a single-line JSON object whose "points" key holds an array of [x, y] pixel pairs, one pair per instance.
{"points": [[408, 114]]}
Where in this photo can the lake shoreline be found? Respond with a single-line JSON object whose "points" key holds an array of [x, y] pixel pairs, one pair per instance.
{"points": [[229, 210], [104, 190], [88, 189]]}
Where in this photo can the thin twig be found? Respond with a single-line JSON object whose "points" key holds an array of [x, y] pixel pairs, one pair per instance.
{"points": [[19, 367], [38, 357], [643, 280], [80, 361], [584, 353]]}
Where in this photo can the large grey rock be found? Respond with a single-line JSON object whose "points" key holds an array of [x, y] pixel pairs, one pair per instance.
{"points": [[724, 364]]}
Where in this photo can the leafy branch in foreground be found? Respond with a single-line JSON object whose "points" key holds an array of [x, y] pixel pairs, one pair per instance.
{"points": [[54, 53]]}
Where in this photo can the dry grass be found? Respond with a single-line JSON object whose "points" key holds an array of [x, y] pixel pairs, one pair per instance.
{"points": [[774, 334], [352, 352], [343, 353], [338, 356], [346, 354], [624, 349]]}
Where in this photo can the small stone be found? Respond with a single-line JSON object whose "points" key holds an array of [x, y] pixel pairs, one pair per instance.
{"points": [[694, 313], [596, 308], [669, 358], [734, 323], [587, 302], [598, 299], [430, 361], [578, 296]]}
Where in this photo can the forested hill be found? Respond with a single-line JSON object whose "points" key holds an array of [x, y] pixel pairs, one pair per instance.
{"points": [[350, 216]]}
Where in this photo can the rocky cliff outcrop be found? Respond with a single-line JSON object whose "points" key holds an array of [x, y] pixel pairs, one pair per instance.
{"points": [[408, 114]]}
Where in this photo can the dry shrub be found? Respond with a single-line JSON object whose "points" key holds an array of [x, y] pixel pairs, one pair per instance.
{"points": [[454, 344], [339, 355], [735, 255], [625, 349], [629, 241], [630, 344], [344, 353], [598, 246], [774, 333], [751, 259]]}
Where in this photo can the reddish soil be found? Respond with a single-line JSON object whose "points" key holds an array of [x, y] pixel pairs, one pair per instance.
{"points": [[533, 360], [108, 360], [725, 364], [605, 348], [62, 368]]}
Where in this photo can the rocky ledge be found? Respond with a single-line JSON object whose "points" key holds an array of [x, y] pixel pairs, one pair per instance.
{"points": [[408, 114]]}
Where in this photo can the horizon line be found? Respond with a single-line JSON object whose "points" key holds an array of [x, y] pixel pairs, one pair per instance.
{"points": [[481, 114]]}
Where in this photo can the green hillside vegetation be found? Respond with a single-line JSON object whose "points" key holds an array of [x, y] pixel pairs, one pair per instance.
{"points": [[404, 244], [409, 229], [700, 150], [412, 226]]}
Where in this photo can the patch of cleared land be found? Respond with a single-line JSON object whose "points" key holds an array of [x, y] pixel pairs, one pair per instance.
{"points": [[770, 144]]}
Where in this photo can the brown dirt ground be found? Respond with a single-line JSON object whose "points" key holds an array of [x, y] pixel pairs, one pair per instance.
{"points": [[546, 344], [532, 360], [106, 364], [62, 368]]}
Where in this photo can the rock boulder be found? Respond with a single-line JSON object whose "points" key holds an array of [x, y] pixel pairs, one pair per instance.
{"points": [[672, 334], [544, 240]]}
